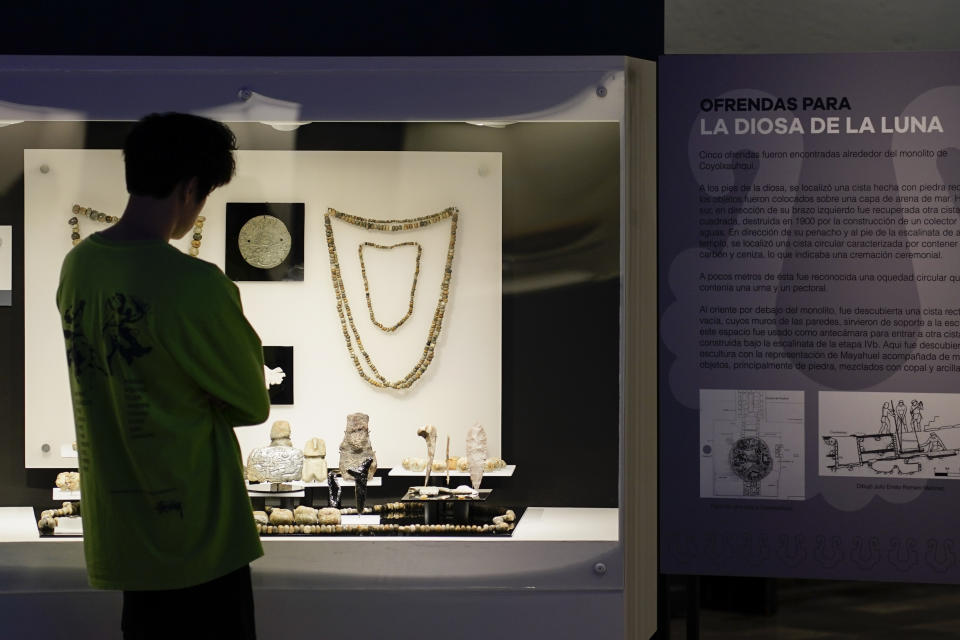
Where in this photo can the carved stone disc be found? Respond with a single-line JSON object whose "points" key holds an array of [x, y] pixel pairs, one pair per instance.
{"points": [[264, 241], [750, 459]]}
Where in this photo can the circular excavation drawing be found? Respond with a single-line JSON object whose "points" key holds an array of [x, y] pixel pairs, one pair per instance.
{"points": [[750, 459], [264, 241]]}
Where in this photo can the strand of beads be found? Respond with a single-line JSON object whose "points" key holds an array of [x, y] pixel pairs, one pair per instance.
{"points": [[197, 236], [93, 214], [366, 283], [343, 305], [100, 216]]}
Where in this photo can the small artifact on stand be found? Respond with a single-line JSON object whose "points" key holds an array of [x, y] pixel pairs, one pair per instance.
{"points": [[356, 446], [314, 460], [333, 489], [305, 515], [68, 480], [329, 515], [360, 476], [476, 453], [414, 464], [494, 464], [281, 516], [280, 462], [429, 434]]}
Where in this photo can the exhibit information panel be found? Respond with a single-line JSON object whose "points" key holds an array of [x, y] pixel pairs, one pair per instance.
{"points": [[810, 316]]}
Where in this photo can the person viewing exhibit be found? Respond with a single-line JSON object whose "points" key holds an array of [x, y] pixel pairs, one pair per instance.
{"points": [[162, 365]]}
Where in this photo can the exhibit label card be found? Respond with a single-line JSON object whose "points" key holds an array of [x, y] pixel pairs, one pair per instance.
{"points": [[809, 252], [6, 265]]}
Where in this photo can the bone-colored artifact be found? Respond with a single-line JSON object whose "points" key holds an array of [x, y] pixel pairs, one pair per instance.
{"points": [[494, 464], [476, 453], [414, 464], [68, 480], [305, 515], [329, 515], [281, 516], [315, 460], [429, 434]]}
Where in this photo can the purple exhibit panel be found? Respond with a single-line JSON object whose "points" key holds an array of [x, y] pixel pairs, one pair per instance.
{"points": [[809, 255]]}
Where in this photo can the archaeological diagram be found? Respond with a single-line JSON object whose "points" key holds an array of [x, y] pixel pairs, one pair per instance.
{"points": [[751, 444], [872, 434]]}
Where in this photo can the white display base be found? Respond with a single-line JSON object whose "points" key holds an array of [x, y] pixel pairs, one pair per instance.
{"points": [[372, 482], [260, 490], [358, 519], [63, 494], [18, 524], [67, 451], [505, 472], [551, 556], [69, 526]]}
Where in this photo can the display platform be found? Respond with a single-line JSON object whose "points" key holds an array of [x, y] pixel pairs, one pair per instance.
{"points": [[297, 487], [542, 538], [507, 471]]}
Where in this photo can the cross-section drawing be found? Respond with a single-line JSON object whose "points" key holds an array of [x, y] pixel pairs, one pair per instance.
{"points": [[871, 434], [751, 444]]}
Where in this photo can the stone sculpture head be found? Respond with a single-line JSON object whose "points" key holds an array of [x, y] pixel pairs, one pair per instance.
{"points": [[357, 434], [280, 429], [315, 448]]}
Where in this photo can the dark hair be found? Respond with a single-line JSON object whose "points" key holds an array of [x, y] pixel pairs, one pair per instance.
{"points": [[164, 149]]}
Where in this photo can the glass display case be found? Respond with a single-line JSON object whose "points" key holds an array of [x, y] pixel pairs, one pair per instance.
{"points": [[451, 265]]}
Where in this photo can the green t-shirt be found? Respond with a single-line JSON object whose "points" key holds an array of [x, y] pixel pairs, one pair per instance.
{"points": [[162, 365]]}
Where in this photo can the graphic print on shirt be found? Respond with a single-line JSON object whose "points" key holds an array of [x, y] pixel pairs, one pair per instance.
{"points": [[80, 353], [119, 331], [120, 334]]}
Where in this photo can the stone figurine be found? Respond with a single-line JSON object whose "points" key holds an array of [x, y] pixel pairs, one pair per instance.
{"points": [[280, 462], [360, 476], [356, 446], [314, 460]]}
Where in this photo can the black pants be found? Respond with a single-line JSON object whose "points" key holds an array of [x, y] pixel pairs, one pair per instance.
{"points": [[221, 608]]}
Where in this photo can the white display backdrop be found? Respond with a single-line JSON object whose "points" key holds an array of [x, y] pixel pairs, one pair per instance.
{"points": [[462, 386]]}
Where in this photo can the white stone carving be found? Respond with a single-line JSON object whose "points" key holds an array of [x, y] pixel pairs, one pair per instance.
{"points": [[476, 453], [315, 460]]}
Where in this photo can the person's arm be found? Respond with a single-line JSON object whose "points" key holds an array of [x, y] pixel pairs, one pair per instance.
{"points": [[216, 346]]}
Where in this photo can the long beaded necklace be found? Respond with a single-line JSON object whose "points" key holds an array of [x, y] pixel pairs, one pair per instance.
{"points": [[366, 284], [350, 332], [99, 216]]}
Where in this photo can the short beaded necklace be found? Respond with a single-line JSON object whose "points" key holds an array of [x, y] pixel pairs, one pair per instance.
{"points": [[350, 332], [99, 216], [366, 284]]}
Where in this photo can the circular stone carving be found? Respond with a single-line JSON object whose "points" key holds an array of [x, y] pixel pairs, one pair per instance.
{"points": [[750, 459], [264, 241]]}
